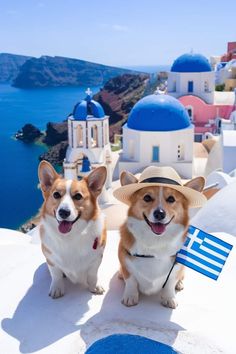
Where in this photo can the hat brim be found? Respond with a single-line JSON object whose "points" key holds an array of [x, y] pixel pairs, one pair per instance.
{"points": [[196, 199]]}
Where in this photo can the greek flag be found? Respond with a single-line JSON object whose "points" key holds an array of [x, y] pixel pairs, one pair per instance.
{"points": [[204, 253]]}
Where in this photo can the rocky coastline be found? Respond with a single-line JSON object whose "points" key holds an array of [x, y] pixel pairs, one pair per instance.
{"points": [[28, 133]]}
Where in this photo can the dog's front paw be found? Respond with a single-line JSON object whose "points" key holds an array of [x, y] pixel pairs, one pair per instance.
{"points": [[180, 285], [130, 299], [57, 289], [169, 302], [97, 290]]}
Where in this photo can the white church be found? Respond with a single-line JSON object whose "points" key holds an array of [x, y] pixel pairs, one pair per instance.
{"points": [[88, 138], [191, 74], [158, 132]]}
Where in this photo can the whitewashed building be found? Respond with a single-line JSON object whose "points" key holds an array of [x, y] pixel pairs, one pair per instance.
{"points": [[227, 75], [228, 145], [88, 138], [158, 132], [191, 74]]}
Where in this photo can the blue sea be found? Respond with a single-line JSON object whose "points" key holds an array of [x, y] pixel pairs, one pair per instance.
{"points": [[20, 197]]}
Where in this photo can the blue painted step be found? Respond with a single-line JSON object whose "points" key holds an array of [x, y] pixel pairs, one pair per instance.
{"points": [[128, 344]]}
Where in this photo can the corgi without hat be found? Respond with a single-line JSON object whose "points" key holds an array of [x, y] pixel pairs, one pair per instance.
{"points": [[72, 228], [154, 231]]}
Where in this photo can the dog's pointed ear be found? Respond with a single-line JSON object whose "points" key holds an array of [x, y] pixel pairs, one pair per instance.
{"points": [[96, 180], [197, 184], [127, 178], [47, 175]]}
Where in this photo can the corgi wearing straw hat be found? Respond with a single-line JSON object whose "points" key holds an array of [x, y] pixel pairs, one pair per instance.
{"points": [[154, 231]]}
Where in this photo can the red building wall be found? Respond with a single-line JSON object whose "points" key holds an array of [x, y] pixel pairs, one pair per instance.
{"points": [[231, 52]]}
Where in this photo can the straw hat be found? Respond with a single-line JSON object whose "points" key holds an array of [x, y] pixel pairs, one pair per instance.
{"points": [[160, 176]]}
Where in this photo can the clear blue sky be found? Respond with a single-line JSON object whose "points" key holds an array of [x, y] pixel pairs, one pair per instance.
{"points": [[117, 32]]}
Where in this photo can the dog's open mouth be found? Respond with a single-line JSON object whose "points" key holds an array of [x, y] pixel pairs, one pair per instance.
{"points": [[157, 227], [65, 226]]}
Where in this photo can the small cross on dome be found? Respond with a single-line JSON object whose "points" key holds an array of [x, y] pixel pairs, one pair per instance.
{"points": [[88, 92]]}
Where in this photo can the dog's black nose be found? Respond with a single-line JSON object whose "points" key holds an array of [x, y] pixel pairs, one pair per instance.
{"points": [[64, 213], [159, 214]]}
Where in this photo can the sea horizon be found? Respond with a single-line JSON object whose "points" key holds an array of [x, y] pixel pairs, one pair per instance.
{"points": [[150, 69]]}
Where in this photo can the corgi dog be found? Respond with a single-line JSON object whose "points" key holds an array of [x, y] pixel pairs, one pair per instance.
{"points": [[72, 228], [155, 229]]}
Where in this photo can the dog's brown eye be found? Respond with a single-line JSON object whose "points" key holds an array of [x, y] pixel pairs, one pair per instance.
{"points": [[56, 195], [78, 196], [170, 199], [147, 198]]}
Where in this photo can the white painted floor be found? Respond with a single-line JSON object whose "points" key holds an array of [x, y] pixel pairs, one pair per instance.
{"points": [[31, 322]]}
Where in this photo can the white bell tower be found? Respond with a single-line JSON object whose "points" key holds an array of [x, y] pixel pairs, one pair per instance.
{"points": [[88, 137]]}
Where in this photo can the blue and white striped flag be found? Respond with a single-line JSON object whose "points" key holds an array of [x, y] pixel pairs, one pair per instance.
{"points": [[204, 253]]}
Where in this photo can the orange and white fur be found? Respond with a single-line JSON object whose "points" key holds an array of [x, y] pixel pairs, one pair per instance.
{"points": [[72, 228], [156, 225]]}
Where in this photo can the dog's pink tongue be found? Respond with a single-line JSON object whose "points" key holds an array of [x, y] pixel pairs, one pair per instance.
{"points": [[158, 228], [65, 226]]}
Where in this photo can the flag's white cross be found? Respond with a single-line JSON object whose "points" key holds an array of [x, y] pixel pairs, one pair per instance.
{"points": [[193, 238]]}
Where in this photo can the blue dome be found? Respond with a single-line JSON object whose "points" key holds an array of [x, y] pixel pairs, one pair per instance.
{"points": [[88, 107], [158, 113], [191, 63]]}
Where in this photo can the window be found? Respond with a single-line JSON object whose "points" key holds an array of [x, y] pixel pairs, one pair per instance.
{"points": [[206, 86], [190, 86], [131, 149], [189, 110], [155, 154], [94, 135], [79, 135], [180, 152], [198, 138], [174, 86]]}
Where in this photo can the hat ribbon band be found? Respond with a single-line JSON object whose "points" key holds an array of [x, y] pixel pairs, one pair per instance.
{"points": [[160, 180]]}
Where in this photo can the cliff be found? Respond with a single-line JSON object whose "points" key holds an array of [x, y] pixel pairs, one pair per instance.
{"points": [[10, 65], [118, 97], [56, 137], [55, 133], [56, 154], [49, 71]]}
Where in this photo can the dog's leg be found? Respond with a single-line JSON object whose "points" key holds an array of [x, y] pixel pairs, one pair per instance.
{"points": [[180, 282], [168, 293], [57, 288], [92, 279], [131, 294], [180, 285]]}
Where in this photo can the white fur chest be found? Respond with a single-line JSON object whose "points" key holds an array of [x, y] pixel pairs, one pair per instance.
{"points": [[151, 273], [73, 253]]}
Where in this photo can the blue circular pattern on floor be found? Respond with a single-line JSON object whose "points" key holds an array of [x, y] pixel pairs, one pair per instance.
{"points": [[128, 344]]}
